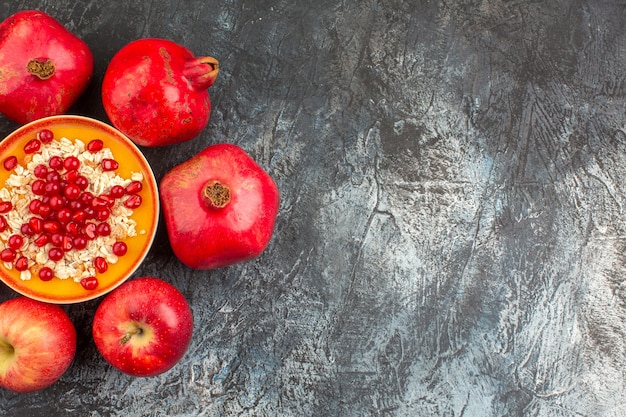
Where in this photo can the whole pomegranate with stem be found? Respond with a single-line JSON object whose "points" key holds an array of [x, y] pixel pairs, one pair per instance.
{"points": [[219, 207], [44, 67], [156, 91]]}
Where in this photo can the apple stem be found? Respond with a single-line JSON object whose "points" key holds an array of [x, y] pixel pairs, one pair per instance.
{"points": [[6, 347], [128, 335]]}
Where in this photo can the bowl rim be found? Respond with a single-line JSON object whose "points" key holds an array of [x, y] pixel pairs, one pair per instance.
{"points": [[148, 175]]}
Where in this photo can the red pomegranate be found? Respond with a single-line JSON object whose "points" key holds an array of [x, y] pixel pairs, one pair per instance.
{"points": [[156, 91], [44, 67], [219, 207]]}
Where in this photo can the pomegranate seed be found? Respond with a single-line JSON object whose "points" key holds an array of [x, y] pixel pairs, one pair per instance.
{"points": [[89, 231], [32, 146], [82, 182], [34, 205], [40, 171], [95, 145], [79, 216], [89, 283], [51, 226], [72, 229], [120, 248], [55, 254], [100, 264], [55, 162], [109, 164], [15, 242], [10, 162], [53, 176], [45, 135], [52, 188], [21, 264], [3, 224], [90, 212], [45, 210], [86, 198], [26, 230], [67, 244], [35, 224], [41, 240], [5, 206], [71, 163], [64, 215], [57, 202], [102, 214], [46, 273], [134, 187], [99, 201], [80, 242], [75, 205], [117, 191], [70, 176], [38, 187], [103, 229], [72, 192], [7, 255], [56, 239], [133, 201]]}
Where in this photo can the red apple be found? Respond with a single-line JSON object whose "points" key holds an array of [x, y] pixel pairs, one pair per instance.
{"points": [[143, 327], [37, 344]]}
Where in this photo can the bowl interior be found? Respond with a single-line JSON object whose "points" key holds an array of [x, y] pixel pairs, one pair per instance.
{"points": [[131, 160]]}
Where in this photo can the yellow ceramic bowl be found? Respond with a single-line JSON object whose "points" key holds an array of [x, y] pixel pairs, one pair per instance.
{"points": [[131, 161]]}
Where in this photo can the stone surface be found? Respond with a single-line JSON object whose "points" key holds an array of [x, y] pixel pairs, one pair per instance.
{"points": [[451, 233]]}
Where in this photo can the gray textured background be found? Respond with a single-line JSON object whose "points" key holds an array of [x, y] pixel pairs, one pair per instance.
{"points": [[451, 233]]}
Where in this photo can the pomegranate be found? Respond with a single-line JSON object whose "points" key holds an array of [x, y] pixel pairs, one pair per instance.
{"points": [[156, 92], [219, 207], [44, 67]]}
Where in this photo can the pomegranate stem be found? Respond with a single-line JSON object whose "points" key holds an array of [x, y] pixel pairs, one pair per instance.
{"points": [[41, 68], [215, 194], [201, 72]]}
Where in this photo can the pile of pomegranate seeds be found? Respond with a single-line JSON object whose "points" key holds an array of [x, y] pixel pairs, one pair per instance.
{"points": [[66, 213]]}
